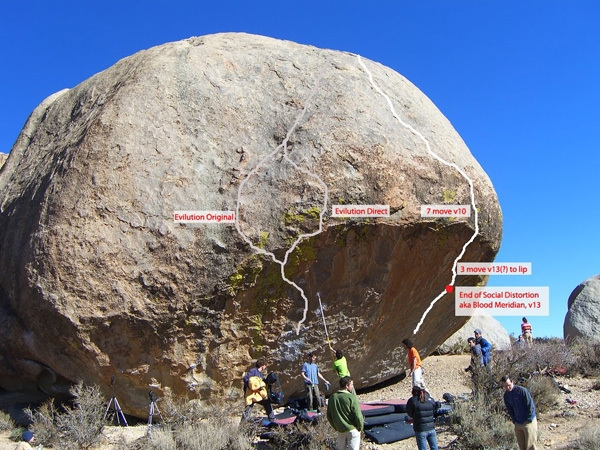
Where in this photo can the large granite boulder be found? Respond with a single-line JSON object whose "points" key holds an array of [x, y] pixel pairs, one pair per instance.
{"points": [[491, 329], [583, 314], [97, 279]]}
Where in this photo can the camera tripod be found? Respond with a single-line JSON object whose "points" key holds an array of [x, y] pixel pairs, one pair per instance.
{"points": [[154, 411], [113, 408]]}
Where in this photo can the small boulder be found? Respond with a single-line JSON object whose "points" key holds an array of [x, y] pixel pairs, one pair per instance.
{"points": [[583, 315], [492, 330]]}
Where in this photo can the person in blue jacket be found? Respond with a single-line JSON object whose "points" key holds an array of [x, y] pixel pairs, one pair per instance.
{"points": [[486, 348], [521, 410]]}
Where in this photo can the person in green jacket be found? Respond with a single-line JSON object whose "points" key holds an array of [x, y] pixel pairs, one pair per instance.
{"points": [[345, 416], [340, 365]]}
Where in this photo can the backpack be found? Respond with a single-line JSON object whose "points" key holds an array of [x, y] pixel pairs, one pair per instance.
{"points": [[274, 386]]}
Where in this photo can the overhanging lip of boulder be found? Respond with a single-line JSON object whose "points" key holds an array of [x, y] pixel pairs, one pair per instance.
{"points": [[346, 264]]}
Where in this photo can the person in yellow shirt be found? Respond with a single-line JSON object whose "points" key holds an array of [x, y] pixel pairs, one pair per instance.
{"points": [[414, 362], [340, 366], [255, 390]]}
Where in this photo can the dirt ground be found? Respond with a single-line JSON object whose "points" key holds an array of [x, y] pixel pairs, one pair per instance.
{"points": [[559, 428]]}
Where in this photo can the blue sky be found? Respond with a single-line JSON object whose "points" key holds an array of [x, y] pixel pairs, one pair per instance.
{"points": [[518, 80]]}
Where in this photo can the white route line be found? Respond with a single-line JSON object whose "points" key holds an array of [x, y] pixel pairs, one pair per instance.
{"points": [[283, 147], [458, 169]]}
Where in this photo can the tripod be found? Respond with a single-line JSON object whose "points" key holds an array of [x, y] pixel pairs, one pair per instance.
{"points": [[113, 406], [154, 411]]}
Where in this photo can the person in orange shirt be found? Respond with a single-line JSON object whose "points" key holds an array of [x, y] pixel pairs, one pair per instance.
{"points": [[414, 362]]}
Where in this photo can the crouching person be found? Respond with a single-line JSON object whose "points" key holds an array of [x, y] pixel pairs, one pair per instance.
{"points": [[26, 441], [255, 390], [345, 416]]}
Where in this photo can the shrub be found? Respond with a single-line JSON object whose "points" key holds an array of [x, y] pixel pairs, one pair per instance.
{"points": [[544, 392], [79, 426], [211, 435], [177, 412], [160, 439], [188, 424], [44, 428], [16, 433], [589, 438], [6, 423], [304, 436], [479, 426], [587, 354]]}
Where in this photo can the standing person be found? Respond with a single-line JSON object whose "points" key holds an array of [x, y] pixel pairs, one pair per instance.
{"points": [[311, 375], [521, 410], [26, 441], [526, 331], [414, 362], [476, 355], [345, 416], [486, 348], [520, 342], [255, 390], [340, 365], [421, 407], [475, 365]]}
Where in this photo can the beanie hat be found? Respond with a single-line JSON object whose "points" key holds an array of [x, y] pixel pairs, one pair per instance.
{"points": [[478, 331], [27, 435]]}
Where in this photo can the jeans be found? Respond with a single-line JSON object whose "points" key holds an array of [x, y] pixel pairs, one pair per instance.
{"points": [[425, 437], [350, 440], [313, 396]]}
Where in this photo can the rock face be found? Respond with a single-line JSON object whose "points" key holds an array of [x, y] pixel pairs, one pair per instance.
{"points": [[492, 330], [3, 157], [583, 315], [97, 279]]}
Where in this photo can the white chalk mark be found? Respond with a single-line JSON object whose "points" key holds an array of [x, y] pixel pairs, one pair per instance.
{"points": [[449, 164], [283, 148]]}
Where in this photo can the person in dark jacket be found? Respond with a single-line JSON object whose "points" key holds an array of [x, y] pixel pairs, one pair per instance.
{"points": [[421, 407], [476, 355], [486, 348], [521, 410], [255, 390]]}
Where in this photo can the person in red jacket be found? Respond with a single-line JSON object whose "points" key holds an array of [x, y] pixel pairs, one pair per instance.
{"points": [[526, 332]]}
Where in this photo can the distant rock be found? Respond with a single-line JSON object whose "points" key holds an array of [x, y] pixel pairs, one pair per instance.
{"points": [[583, 315], [96, 278], [491, 329]]}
